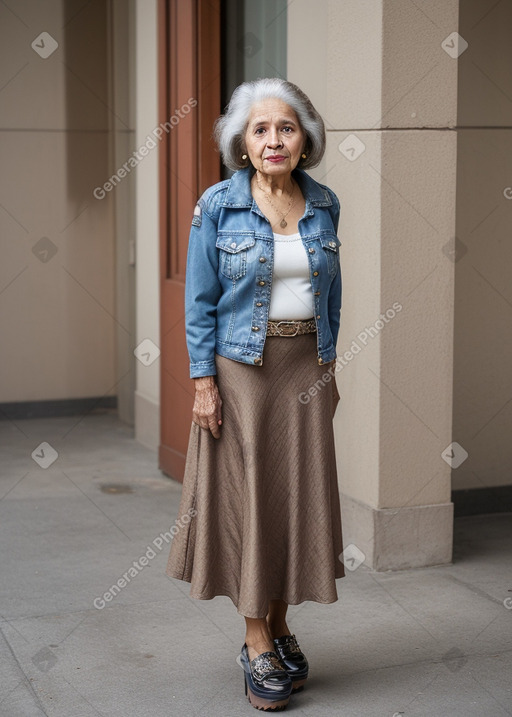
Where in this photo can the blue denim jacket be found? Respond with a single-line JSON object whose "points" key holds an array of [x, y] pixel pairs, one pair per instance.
{"points": [[229, 272]]}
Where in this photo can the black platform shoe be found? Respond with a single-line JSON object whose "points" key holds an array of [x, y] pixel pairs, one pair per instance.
{"points": [[293, 659], [267, 684]]}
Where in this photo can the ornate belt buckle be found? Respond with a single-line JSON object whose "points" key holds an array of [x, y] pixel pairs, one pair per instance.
{"points": [[291, 324]]}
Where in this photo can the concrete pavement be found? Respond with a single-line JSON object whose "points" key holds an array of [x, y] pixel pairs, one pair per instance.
{"points": [[434, 641]]}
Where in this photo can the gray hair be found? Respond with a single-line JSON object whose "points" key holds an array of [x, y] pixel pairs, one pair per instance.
{"points": [[229, 129]]}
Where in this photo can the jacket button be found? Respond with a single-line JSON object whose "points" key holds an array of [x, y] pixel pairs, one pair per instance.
{"points": [[318, 316], [320, 361], [261, 283], [259, 303], [317, 293], [315, 273], [311, 250], [233, 245], [255, 328], [257, 361], [332, 243], [262, 259]]}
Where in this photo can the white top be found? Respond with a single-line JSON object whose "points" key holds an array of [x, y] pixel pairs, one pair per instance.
{"points": [[291, 296]]}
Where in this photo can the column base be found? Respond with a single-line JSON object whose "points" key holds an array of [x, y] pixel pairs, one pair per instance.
{"points": [[399, 538]]}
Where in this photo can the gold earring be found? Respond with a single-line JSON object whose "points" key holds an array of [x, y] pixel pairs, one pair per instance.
{"points": [[244, 156], [303, 155]]}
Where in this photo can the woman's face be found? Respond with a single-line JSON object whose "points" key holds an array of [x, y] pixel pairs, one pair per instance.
{"points": [[274, 137]]}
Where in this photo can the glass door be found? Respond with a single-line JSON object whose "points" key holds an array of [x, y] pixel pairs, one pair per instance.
{"points": [[253, 44]]}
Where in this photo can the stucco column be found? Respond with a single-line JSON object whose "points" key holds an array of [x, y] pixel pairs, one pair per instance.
{"points": [[147, 305], [384, 76]]}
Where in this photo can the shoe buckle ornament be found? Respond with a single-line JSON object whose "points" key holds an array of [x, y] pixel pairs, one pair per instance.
{"points": [[292, 645], [264, 664]]}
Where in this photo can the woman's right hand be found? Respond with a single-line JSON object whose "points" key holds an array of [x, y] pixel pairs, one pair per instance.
{"points": [[207, 405]]}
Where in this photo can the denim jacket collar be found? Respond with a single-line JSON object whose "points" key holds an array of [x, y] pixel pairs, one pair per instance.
{"points": [[239, 190]]}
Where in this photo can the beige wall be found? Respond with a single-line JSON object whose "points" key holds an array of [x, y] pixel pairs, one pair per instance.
{"points": [[436, 165], [147, 396], [59, 318], [122, 144], [482, 417], [67, 124]]}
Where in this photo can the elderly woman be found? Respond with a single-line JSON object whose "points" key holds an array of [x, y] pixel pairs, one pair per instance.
{"points": [[262, 300]]}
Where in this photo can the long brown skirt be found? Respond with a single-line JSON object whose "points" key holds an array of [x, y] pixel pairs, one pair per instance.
{"points": [[259, 517]]}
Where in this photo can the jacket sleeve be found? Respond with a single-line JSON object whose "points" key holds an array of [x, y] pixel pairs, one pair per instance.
{"points": [[335, 290], [202, 292]]}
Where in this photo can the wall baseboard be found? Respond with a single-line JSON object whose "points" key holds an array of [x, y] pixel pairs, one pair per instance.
{"points": [[479, 501], [18, 410]]}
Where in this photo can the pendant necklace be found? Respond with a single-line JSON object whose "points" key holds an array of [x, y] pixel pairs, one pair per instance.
{"points": [[283, 223]]}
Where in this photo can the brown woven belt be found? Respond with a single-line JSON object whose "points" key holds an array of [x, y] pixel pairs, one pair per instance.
{"points": [[291, 328]]}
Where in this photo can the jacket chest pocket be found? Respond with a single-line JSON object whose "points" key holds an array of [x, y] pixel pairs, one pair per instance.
{"points": [[330, 246], [233, 247]]}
